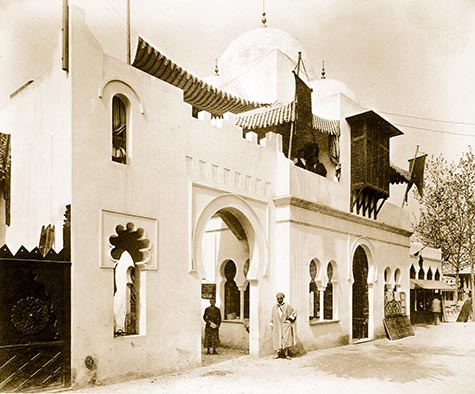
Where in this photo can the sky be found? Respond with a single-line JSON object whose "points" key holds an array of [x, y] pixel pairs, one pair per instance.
{"points": [[412, 62]]}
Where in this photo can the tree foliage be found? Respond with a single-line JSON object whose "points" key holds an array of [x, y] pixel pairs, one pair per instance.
{"points": [[447, 210]]}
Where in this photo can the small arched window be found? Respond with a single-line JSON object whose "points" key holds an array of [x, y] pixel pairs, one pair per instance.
{"points": [[314, 295], [231, 292], [412, 272], [387, 275], [119, 129], [437, 274], [397, 276], [328, 295], [429, 274], [420, 275]]}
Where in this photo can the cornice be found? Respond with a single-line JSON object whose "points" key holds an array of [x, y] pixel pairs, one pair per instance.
{"points": [[326, 210]]}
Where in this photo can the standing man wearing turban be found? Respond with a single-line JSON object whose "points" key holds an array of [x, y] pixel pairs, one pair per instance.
{"points": [[283, 327]]}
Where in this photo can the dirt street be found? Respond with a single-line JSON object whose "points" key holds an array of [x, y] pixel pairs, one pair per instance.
{"points": [[438, 359]]}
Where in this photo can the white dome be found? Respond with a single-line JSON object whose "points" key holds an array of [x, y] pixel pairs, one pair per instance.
{"points": [[253, 45], [259, 65], [328, 87]]}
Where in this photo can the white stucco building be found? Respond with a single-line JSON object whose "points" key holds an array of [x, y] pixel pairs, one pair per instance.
{"points": [[427, 281], [165, 198]]}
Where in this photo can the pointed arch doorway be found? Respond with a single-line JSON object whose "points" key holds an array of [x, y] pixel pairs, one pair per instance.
{"points": [[230, 251], [360, 303]]}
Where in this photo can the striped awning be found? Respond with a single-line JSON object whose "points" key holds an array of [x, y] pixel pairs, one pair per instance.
{"points": [[196, 92], [265, 117], [398, 175], [329, 126], [283, 113]]}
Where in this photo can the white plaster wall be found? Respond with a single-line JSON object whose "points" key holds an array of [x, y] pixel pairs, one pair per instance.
{"points": [[301, 235], [169, 151], [153, 186], [38, 118], [326, 237]]}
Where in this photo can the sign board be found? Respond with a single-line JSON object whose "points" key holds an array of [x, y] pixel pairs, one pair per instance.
{"points": [[398, 327], [465, 311], [208, 291]]}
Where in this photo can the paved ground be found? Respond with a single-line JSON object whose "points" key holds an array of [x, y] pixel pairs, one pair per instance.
{"points": [[438, 359]]}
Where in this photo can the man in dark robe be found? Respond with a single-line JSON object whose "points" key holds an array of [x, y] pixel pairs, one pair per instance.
{"points": [[212, 317]]}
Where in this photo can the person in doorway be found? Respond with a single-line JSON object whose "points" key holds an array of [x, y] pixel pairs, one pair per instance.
{"points": [[283, 327], [212, 318], [436, 309]]}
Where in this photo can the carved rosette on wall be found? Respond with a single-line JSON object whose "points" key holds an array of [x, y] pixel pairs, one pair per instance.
{"points": [[132, 240], [30, 315]]}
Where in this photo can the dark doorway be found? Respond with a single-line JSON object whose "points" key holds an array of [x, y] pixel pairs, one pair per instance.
{"points": [[360, 294]]}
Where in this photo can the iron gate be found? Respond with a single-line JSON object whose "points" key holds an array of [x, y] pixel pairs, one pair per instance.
{"points": [[35, 304]]}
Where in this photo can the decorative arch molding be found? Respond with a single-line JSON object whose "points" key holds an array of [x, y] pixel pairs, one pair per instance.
{"points": [[334, 265], [127, 89], [245, 214], [320, 275], [368, 248], [132, 240], [123, 231]]}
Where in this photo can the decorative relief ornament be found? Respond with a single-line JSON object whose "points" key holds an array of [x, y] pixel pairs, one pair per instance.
{"points": [[30, 315]]}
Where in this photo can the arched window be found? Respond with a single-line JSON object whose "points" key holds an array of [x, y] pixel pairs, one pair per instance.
{"points": [[420, 275], [126, 285], [412, 272], [130, 248], [321, 301], [314, 295], [429, 274], [119, 129], [231, 292], [437, 274], [397, 276], [328, 295]]}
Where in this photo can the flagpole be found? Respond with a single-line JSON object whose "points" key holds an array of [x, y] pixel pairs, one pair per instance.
{"points": [[128, 32], [404, 200], [65, 36], [292, 124]]}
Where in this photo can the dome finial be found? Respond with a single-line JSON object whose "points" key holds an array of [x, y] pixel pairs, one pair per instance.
{"points": [[264, 20], [323, 69], [216, 68]]}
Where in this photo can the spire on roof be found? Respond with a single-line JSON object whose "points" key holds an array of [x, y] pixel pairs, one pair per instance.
{"points": [[264, 20], [299, 60], [323, 69], [216, 68]]}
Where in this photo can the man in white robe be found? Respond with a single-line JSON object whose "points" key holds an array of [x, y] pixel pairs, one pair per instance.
{"points": [[283, 327]]}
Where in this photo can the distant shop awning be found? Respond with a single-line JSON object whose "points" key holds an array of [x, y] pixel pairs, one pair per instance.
{"points": [[430, 285], [196, 92]]}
